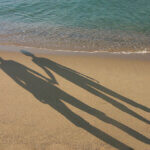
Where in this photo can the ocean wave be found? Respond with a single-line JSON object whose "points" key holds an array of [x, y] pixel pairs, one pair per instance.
{"points": [[97, 25], [17, 48]]}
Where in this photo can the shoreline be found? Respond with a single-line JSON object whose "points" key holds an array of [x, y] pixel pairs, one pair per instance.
{"points": [[107, 55], [9, 47]]}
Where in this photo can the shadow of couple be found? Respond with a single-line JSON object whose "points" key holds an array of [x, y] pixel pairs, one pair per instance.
{"points": [[44, 90]]}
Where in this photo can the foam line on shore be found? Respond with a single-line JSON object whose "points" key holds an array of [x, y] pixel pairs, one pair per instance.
{"points": [[46, 50]]}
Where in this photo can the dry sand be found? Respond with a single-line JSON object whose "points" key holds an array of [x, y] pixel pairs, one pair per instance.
{"points": [[74, 102]]}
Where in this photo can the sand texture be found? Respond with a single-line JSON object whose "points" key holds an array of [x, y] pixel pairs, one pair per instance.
{"points": [[74, 102]]}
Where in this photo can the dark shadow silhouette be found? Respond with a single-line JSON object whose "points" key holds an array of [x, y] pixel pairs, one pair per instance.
{"points": [[47, 93], [89, 85], [44, 90]]}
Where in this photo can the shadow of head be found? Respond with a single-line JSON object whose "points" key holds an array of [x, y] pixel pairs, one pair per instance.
{"points": [[1, 60], [27, 53]]}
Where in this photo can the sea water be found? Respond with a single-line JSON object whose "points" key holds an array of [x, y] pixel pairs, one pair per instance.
{"points": [[78, 25]]}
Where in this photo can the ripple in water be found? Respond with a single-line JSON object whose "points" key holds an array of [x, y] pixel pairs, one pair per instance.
{"points": [[100, 25]]}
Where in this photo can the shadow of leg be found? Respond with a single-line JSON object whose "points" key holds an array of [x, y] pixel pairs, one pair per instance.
{"points": [[80, 122], [100, 115]]}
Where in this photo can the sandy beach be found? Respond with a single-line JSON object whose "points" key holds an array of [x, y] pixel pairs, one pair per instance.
{"points": [[71, 101]]}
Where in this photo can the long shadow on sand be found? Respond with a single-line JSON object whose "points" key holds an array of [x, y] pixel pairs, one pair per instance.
{"points": [[45, 91], [88, 84]]}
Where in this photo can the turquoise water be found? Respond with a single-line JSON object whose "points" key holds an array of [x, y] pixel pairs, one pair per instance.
{"points": [[76, 24]]}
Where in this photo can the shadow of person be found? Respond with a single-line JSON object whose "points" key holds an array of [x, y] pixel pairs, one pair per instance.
{"points": [[88, 84], [45, 91]]}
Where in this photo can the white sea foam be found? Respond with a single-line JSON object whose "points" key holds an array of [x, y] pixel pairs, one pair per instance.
{"points": [[46, 50]]}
